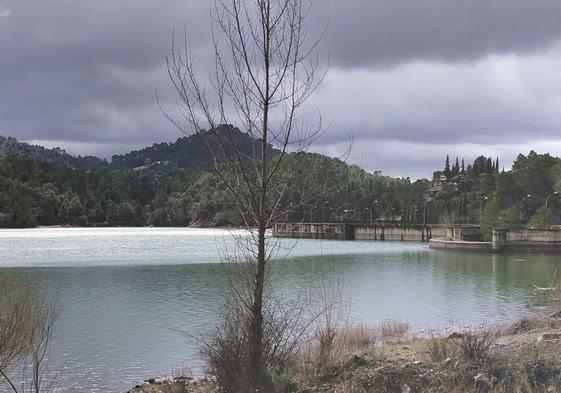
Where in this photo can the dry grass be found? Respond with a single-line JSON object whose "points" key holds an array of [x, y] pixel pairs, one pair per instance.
{"points": [[357, 337], [530, 323], [477, 347], [394, 329], [439, 349], [470, 362], [332, 347]]}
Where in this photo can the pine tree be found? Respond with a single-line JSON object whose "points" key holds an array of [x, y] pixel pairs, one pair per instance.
{"points": [[497, 165], [463, 170], [447, 171]]}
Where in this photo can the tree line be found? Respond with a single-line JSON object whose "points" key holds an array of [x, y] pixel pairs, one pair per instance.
{"points": [[38, 193], [525, 195]]}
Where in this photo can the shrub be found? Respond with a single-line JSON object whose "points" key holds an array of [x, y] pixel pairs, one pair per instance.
{"points": [[26, 328], [477, 347], [226, 348], [439, 349], [544, 218], [542, 374]]}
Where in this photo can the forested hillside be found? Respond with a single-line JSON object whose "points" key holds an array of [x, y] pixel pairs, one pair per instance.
{"points": [[41, 193], [11, 147], [172, 184], [186, 152]]}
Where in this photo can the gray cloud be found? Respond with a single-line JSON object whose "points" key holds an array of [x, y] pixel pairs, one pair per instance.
{"points": [[366, 33], [425, 78]]}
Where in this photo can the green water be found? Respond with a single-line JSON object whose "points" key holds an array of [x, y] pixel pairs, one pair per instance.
{"points": [[125, 293]]}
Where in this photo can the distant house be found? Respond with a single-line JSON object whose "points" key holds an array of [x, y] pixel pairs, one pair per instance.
{"points": [[438, 182]]}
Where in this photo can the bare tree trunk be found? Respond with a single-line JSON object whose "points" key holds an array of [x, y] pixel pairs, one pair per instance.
{"points": [[256, 334], [267, 74]]}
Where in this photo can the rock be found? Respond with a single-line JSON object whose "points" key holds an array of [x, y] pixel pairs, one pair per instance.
{"points": [[405, 389], [557, 315], [358, 361], [151, 381], [483, 380], [522, 326], [550, 337]]}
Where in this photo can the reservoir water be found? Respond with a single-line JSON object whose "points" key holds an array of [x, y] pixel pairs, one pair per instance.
{"points": [[128, 295]]}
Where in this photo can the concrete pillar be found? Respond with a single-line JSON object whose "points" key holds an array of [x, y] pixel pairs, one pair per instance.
{"points": [[499, 239], [349, 231]]}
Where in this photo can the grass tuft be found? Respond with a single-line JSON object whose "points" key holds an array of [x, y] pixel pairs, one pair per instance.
{"points": [[394, 329], [439, 349], [477, 347]]}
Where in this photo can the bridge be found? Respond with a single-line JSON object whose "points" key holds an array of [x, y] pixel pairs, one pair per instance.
{"points": [[360, 231]]}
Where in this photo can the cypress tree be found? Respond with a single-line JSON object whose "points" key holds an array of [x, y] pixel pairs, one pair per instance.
{"points": [[447, 167], [456, 167]]}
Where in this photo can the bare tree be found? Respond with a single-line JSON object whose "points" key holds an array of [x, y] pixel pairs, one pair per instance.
{"points": [[26, 330], [265, 69]]}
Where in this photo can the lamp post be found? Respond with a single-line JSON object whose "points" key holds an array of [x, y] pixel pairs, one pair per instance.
{"points": [[481, 208], [289, 209], [425, 211], [312, 207], [324, 207], [372, 211], [547, 199], [522, 200]]}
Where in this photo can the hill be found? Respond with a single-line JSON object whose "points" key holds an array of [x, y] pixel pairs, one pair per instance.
{"points": [[11, 147], [172, 184], [186, 152]]}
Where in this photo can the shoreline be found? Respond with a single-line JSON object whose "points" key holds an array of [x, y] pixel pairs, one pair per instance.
{"points": [[436, 361]]}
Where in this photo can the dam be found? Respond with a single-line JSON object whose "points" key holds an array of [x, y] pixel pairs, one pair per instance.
{"points": [[358, 231], [438, 236]]}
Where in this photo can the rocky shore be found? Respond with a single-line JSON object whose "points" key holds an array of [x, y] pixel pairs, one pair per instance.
{"points": [[522, 357], [175, 385]]}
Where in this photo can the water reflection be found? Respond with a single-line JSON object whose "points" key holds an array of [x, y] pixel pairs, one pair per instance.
{"points": [[121, 316]]}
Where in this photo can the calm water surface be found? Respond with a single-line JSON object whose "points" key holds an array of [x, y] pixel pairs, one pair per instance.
{"points": [[125, 293]]}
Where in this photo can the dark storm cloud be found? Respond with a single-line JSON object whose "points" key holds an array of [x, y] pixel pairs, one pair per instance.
{"points": [[430, 75], [87, 71], [366, 33]]}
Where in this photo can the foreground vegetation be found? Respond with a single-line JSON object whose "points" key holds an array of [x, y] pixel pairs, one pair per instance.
{"points": [[521, 357], [27, 322]]}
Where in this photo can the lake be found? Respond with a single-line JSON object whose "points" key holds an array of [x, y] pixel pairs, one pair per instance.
{"points": [[128, 295]]}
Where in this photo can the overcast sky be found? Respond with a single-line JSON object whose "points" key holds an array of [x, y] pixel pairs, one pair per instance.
{"points": [[411, 80]]}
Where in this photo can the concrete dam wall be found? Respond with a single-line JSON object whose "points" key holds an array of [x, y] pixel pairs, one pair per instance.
{"points": [[336, 231], [546, 240], [444, 237], [393, 233]]}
